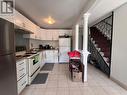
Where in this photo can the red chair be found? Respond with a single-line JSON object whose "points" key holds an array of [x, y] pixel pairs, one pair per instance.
{"points": [[74, 54], [75, 62]]}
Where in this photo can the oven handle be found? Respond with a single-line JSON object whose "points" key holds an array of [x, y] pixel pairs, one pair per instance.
{"points": [[34, 62]]}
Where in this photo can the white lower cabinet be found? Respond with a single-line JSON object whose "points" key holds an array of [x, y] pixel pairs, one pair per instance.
{"points": [[55, 56], [21, 69], [22, 77], [41, 59], [22, 84], [51, 56]]}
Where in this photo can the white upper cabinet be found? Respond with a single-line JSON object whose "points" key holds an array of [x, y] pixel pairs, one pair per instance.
{"points": [[43, 34], [55, 35], [46, 34], [49, 35], [9, 17], [63, 32], [38, 33], [24, 22], [35, 35], [19, 19]]}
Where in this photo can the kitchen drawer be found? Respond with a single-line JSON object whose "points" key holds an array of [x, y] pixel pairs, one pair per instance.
{"points": [[22, 84], [21, 64], [21, 73], [21, 69]]}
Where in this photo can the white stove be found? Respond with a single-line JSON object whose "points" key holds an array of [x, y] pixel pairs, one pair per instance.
{"points": [[33, 67]]}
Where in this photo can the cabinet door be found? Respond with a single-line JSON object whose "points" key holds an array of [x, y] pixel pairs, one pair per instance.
{"points": [[43, 34], [22, 84], [49, 56], [44, 56], [41, 59], [37, 35], [55, 53], [19, 19], [55, 35], [8, 17], [49, 35], [21, 69], [63, 32]]}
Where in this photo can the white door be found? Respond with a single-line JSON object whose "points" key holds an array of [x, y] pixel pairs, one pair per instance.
{"points": [[63, 54], [64, 42]]}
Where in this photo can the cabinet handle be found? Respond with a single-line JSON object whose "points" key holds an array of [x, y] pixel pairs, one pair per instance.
{"points": [[23, 83], [21, 69], [21, 63]]}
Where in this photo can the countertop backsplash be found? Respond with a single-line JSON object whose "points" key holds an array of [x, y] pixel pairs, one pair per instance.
{"points": [[35, 43], [20, 41]]}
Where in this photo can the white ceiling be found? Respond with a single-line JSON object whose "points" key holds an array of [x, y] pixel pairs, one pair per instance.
{"points": [[103, 7], [65, 12]]}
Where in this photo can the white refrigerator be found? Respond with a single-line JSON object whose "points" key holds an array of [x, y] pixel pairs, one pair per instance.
{"points": [[64, 48]]}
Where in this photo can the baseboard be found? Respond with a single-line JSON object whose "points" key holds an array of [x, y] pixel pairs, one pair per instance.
{"points": [[119, 83]]}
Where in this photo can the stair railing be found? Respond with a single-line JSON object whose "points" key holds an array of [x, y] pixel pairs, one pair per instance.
{"points": [[105, 26]]}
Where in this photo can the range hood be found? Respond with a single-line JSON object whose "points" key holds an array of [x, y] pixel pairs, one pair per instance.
{"points": [[22, 30]]}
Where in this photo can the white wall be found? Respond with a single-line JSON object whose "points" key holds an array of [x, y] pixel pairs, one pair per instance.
{"points": [[119, 49], [103, 7], [98, 20]]}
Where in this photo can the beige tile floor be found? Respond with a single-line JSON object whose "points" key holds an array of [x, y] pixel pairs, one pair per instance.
{"points": [[59, 83]]}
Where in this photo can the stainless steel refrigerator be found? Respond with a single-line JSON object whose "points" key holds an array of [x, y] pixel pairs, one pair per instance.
{"points": [[64, 48], [8, 82]]}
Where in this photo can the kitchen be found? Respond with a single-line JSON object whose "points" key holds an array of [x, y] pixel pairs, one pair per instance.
{"points": [[33, 47], [45, 48]]}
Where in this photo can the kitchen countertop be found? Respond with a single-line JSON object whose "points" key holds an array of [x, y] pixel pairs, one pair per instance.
{"points": [[22, 57], [47, 49], [27, 56], [19, 58]]}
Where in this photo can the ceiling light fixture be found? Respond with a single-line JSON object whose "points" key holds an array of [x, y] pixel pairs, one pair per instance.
{"points": [[49, 20]]}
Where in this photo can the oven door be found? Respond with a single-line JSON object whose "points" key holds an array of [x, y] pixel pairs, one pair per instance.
{"points": [[33, 64]]}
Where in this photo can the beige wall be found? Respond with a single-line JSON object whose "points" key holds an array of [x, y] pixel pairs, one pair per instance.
{"points": [[119, 49]]}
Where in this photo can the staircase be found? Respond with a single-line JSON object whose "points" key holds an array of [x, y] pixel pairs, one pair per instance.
{"points": [[100, 43]]}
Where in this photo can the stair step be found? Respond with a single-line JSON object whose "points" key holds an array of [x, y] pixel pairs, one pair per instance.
{"points": [[103, 46], [107, 63], [106, 59], [107, 54], [99, 49], [96, 45], [105, 49], [102, 54], [103, 41], [93, 41]]}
